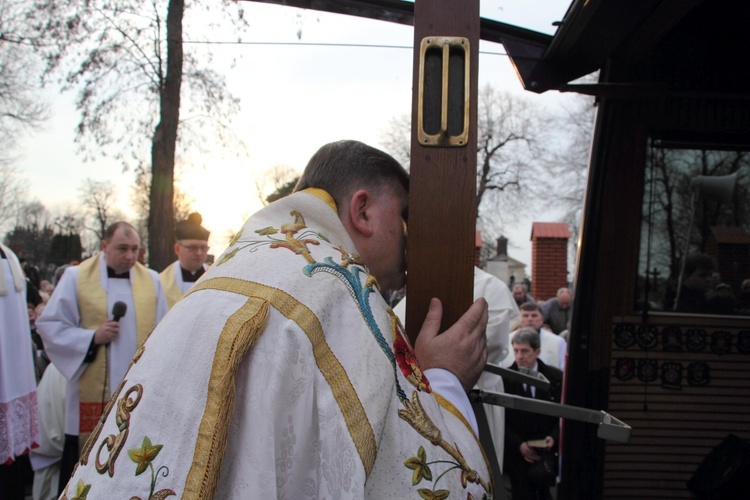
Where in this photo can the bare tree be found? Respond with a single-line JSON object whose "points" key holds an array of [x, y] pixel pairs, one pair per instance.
{"points": [[511, 146], [98, 198], [13, 190], [511, 139], [20, 106], [277, 179], [567, 168], [128, 61], [395, 139]]}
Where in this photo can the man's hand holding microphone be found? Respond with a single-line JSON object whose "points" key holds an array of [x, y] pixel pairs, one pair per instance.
{"points": [[109, 329]]}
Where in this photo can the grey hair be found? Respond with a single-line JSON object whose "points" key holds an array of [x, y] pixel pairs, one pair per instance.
{"points": [[527, 336]]}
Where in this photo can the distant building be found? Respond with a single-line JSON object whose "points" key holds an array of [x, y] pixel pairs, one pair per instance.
{"points": [[503, 266]]}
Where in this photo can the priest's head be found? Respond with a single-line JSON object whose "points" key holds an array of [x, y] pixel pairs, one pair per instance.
{"points": [[120, 246], [370, 189], [192, 242]]}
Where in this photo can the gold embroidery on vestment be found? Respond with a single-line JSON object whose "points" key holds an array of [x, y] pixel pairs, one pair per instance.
{"points": [[351, 407], [241, 331], [114, 443]]}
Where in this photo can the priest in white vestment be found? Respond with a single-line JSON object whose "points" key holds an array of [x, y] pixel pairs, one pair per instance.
{"points": [[84, 340], [284, 374], [19, 424], [191, 247]]}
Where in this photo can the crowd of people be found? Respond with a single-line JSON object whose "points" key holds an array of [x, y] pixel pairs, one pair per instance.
{"points": [[67, 343]]}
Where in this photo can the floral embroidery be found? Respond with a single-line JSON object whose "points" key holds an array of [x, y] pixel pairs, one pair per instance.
{"points": [[227, 256], [267, 231], [414, 413], [144, 457], [433, 494], [419, 465], [297, 243], [406, 358], [80, 494]]}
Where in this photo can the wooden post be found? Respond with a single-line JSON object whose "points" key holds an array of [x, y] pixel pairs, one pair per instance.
{"points": [[442, 199]]}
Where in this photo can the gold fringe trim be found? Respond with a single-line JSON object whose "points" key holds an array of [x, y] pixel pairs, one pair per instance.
{"points": [[241, 331]]}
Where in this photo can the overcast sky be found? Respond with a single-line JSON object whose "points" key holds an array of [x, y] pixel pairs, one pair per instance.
{"points": [[296, 96]]}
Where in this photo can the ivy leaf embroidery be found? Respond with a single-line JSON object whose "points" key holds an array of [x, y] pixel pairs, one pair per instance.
{"points": [[235, 238], [267, 231], [81, 491], [144, 455], [419, 465], [162, 494], [228, 256], [433, 495]]}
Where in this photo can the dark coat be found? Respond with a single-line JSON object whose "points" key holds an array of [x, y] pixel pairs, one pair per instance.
{"points": [[521, 426]]}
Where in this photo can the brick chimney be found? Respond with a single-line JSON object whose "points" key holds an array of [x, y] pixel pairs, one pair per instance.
{"points": [[502, 245], [549, 258]]}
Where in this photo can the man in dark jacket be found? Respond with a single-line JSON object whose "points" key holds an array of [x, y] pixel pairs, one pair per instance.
{"points": [[522, 427]]}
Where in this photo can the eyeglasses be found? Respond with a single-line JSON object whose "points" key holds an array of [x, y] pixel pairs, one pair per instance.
{"points": [[195, 248]]}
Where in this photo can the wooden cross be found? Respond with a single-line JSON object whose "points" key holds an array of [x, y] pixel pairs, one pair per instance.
{"points": [[442, 187]]}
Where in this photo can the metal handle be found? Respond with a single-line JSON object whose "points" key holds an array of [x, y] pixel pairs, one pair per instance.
{"points": [[443, 108]]}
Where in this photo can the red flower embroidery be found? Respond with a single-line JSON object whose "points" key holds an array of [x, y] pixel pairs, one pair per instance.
{"points": [[408, 363]]}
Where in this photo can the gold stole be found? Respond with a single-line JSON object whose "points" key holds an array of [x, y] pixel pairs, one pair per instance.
{"points": [[92, 307], [169, 284]]}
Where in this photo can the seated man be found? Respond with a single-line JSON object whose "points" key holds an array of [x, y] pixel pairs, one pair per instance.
{"points": [[522, 427], [284, 373], [554, 348]]}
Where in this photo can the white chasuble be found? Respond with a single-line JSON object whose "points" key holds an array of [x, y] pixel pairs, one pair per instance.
{"points": [[282, 374]]}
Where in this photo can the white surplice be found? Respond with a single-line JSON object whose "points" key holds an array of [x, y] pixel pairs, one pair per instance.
{"points": [[19, 424]]}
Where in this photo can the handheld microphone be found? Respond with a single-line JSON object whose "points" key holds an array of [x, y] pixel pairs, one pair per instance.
{"points": [[118, 310]]}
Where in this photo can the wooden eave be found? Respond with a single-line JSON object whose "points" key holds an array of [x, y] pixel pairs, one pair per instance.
{"points": [[591, 33]]}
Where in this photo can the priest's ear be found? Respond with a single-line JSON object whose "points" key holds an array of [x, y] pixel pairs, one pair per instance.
{"points": [[360, 213]]}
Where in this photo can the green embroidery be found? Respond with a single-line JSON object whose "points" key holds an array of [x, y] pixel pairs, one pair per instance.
{"points": [[297, 243], [432, 494], [419, 465], [414, 413], [143, 457], [81, 491]]}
